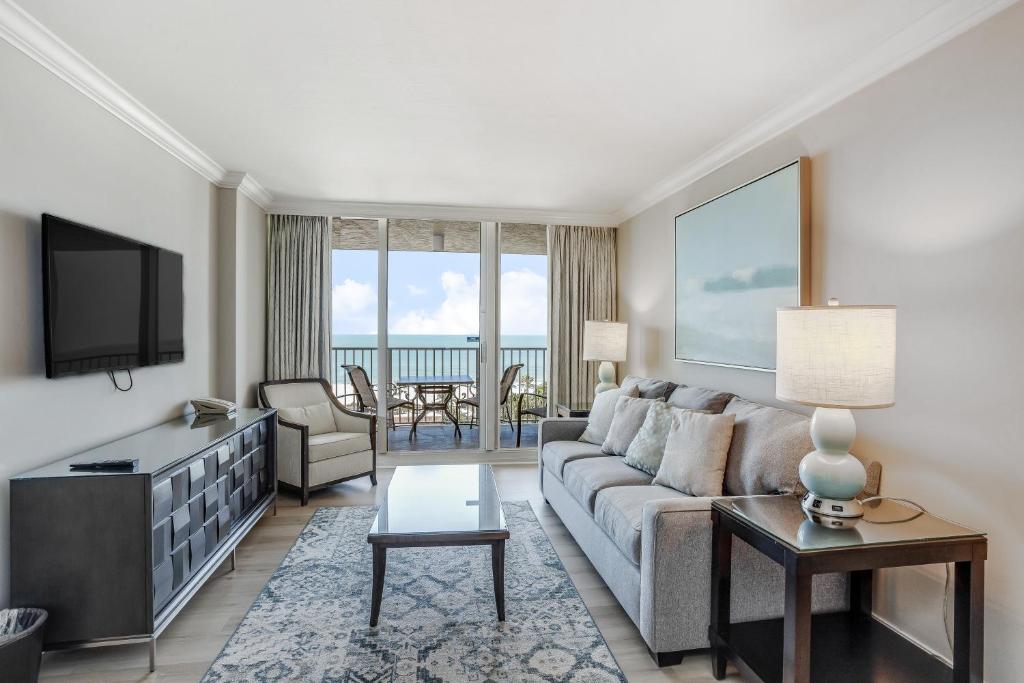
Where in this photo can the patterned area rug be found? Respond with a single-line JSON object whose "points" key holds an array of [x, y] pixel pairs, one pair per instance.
{"points": [[437, 619]]}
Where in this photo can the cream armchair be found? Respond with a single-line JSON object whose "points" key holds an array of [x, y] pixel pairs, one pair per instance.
{"points": [[320, 442]]}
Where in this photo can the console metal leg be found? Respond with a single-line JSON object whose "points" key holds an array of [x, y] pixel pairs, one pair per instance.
{"points": [[152, 655], [233, 552]]}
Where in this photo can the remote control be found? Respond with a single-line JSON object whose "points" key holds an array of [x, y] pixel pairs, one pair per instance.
{"points": [[100, 465]]}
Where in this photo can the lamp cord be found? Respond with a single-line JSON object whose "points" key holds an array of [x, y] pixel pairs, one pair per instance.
{"points": [[949, 575], [131, 381]]}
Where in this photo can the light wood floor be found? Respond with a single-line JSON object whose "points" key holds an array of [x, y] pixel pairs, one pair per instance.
{"points": [[189, 645]]}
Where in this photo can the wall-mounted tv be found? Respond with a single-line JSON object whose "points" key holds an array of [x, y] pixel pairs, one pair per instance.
{"points": [[109, 303]]}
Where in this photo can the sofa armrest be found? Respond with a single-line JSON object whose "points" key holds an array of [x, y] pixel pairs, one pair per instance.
{"points": [[556, 429], [675, 566], [675, 577], [560, 429]]}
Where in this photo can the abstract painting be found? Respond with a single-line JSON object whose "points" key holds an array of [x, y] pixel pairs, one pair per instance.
{"points": [[739, 257]]}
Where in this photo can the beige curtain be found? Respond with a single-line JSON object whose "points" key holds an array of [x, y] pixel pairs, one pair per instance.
{"points": [[582, 287], [298, 297]]}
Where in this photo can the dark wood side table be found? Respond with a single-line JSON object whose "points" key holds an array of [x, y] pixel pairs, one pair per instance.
{"points": [[572, 409], [848, 646]]}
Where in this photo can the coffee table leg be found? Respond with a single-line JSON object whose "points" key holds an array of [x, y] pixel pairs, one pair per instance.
{"points": [[498, 569], [379, 560]]}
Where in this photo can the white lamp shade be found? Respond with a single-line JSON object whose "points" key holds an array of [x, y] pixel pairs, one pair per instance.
{"points": [[604, 340], [837, 356]]}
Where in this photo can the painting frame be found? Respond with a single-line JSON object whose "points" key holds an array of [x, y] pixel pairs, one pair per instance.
{"points": [[802, 258]]}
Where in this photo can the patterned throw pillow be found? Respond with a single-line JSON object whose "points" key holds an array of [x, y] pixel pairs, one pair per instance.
{"points": [[648, 447], [629, 416], [602, 412]]}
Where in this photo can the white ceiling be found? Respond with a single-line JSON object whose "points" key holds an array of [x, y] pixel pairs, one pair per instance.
{"points": [[577, 105]]}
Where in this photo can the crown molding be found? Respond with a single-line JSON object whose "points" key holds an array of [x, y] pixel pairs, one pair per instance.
{"points": [[934, 29], [24, 32], [311, 207], [247, 185]]}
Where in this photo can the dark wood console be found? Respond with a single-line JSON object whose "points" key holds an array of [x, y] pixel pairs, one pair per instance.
{"points": [[114, 556]]}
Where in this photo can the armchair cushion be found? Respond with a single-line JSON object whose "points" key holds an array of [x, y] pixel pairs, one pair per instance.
{"points": [[318, 417], [336, 444]]}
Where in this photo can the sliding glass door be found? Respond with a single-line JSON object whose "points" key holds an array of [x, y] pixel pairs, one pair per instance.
{"points": [[440, 327]]}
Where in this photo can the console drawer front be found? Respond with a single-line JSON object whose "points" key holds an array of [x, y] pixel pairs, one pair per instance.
{"points": [[162, 499], [162, 542], [201, 502]]}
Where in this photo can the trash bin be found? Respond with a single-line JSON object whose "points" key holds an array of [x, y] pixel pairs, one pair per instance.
{"points": [[21, 643]]}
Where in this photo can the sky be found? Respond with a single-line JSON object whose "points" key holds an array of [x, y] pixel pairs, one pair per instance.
{"points": [[435, 293]]}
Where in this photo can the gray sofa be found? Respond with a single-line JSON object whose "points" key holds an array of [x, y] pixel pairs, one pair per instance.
{"points": [[652, 544]]}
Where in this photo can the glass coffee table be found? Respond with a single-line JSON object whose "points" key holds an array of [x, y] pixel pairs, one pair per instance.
{"points": [[439, 505]]}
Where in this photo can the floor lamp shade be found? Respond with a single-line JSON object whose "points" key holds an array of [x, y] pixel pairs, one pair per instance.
{"points": [[605, 341], [835, 358]]}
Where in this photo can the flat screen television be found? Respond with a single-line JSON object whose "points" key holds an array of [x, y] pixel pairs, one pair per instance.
{"points": [[109, 303]]}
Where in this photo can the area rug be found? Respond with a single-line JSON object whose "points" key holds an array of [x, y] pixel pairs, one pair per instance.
{"points": [[437, 622]]}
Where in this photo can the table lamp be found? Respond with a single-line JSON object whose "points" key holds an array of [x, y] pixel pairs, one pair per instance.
{"points": [[605, 341], [835, 358]]}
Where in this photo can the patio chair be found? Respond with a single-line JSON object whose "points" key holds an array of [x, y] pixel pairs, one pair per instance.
{"points": [[368, 397], [508, 378], [540, 410], [320, 442]]}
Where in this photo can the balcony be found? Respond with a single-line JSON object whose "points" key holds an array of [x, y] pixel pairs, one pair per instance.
{"points": [[435, 431]]}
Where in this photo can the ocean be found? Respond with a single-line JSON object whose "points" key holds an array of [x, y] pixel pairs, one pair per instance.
{"points": [[438, 354]]}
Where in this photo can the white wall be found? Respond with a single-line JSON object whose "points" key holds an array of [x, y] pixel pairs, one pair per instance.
{"points": [[241, 296], [917, 200], [63, 154]]}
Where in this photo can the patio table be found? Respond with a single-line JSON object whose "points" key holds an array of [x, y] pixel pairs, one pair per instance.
{"points": [[435, 392]]}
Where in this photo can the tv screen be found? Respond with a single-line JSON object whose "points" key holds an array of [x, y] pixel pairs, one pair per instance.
{"points": [[109, 302]]}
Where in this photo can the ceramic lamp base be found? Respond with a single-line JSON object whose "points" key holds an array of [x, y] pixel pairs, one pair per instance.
{"points": [[606, 373], [832, 475]]}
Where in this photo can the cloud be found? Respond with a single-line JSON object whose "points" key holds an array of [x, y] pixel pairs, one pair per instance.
{"points": [[354, 307], [523, 307], [416, 291], [458, 313], [524, 302], [754, 278]]}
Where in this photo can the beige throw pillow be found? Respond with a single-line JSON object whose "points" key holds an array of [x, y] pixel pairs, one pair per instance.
{"points": [[696, 451], [627, 419], [602, 412], [319, 417]]}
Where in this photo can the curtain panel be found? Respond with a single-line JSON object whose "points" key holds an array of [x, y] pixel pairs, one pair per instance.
{"points": [[298, 297], [582, 287]]}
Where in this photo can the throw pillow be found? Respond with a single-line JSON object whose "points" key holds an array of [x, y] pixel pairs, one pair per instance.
{"points": [[648, 447], [649, 388], [696, 451], [699, 398], [319, 417], [602, 412], [627, 419]]}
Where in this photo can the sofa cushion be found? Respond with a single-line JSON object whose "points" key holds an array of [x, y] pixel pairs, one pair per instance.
{"points": [[699, 398], [695, 453], [318, 417], [601, 413], [626, 422], [557, 454], [619, 511], [767, 446], [585, 478], [649, 388], [336, 444]]}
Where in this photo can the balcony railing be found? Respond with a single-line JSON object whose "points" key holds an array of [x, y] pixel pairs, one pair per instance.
{"points": [[420, 361]]}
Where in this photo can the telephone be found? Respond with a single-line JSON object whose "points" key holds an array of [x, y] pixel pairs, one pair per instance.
{"points": [[212, 406]]}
